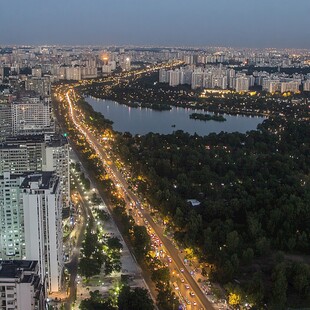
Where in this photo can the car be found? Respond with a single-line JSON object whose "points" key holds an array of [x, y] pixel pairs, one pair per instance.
{"points": [[182, 270], [194, 303], [175, 286], [186, 286], [182, 280], [192, 293]]}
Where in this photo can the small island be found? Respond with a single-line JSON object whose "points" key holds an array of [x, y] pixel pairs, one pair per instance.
{"points": [[207, 117]]}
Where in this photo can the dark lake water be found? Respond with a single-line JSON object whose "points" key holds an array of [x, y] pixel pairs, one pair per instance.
{"points": [[142, 121]]}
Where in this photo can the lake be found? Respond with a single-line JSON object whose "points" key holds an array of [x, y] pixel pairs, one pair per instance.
{"points": [[142, 121]]}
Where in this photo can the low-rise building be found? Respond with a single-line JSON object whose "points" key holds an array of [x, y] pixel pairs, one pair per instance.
{"points": [[21, 287]]}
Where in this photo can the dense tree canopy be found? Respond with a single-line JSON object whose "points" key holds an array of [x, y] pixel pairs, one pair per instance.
{"points": [[254, 190]]}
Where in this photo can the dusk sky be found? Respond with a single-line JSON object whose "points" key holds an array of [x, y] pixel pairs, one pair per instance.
{"points": [[236, 23]]}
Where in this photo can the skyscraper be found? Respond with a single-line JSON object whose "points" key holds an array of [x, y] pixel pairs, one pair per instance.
{"points": [[31, 115], [23, 154], [42, 208], [12, 242], [242, 83]]}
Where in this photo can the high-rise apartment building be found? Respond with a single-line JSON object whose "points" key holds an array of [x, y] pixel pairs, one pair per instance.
{"points": [[242, 83], [197, 79], [271, 86], [31, 222], [186, 77], [163, 78], [31, 115], [290, 86], [5, 119], [23, 154], [88, 72], [306, 85], [42, 208], [12, 243], [55, 157], [174, 77], [41, 86], [125, 62], [69, 73], [219, 82]]}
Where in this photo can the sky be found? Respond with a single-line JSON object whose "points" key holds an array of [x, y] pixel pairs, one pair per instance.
{"points": [[235, 23]]}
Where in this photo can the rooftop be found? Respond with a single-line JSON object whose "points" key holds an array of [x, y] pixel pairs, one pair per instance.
{"points": [[14, 268], [45, 180]]}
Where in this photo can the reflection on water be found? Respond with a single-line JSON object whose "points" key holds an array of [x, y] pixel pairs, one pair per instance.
{"points": [[142, 121]]}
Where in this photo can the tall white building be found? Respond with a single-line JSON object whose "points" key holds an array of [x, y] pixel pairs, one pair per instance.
{"points": [[290, 86], [271, 86], [185, 76], [219, 82], [306, 85], [174, 77], [242, 83], [73, 73], [69, 73], [125, 62], [163, 76], [42, 208], [31, 222], [88, 72], [31, 115], [197, 79]]}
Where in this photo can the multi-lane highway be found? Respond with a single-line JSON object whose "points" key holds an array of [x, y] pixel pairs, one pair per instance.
{"points": [[178, 266]]}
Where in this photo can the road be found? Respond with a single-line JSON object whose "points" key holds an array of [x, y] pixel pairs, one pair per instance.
{"points": [[118, 178], [72, 266]]}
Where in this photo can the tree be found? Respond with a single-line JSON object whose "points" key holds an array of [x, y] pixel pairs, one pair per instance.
{"points": [[232, 241], [256, 290], [114, 244], [279, 287], [161, 276], [179, 217], [301, 278], [247, 256], [92, 257], [141, 241], [112, 264], [89, 267], [96, 302], [234, 299], [112, 258], [137, 299], [166, 299], [194, 228], [103, 215]]}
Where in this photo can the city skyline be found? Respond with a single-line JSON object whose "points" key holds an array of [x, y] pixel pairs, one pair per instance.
{"points": [[280, 24]]}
